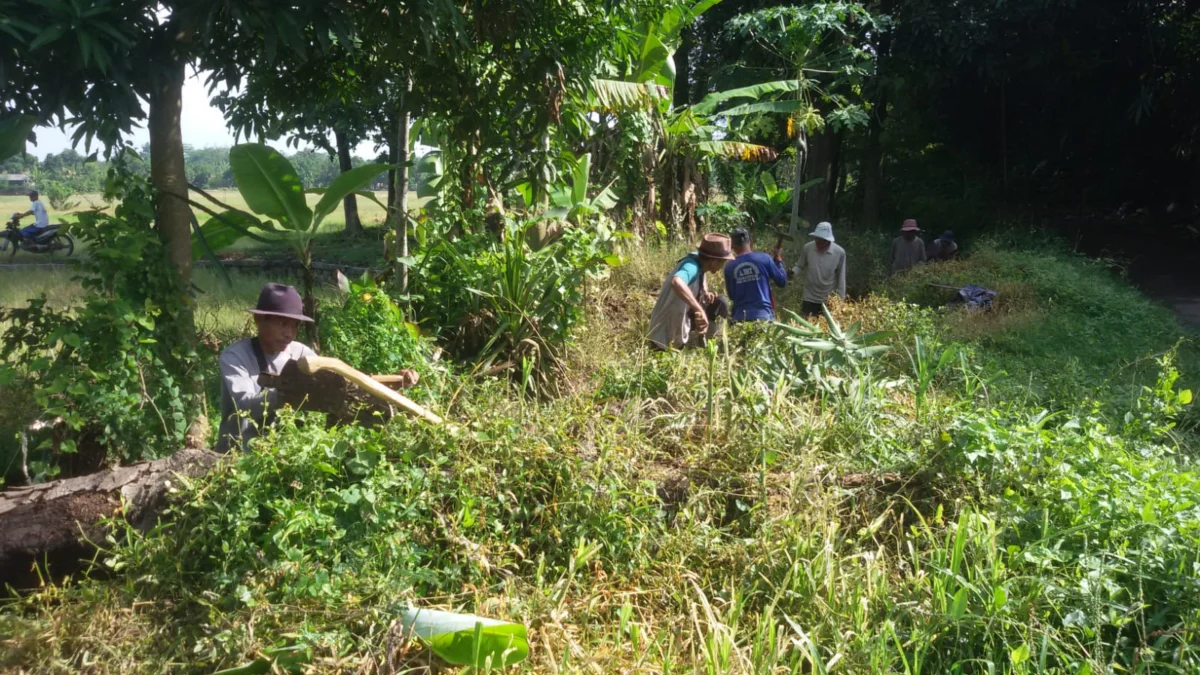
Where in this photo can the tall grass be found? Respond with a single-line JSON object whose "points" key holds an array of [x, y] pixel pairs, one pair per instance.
{"points": [[676, 513]]}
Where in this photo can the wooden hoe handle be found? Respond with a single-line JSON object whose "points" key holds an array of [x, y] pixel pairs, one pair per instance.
{"points": [[312, 364]]}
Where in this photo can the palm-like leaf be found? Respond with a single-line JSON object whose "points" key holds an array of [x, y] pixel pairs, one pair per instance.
{"points": [[620, 95], [753, 92], [748, 152], [270, 185]]}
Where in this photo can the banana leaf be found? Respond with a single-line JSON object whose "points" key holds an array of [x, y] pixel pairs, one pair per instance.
{"points": [[270, 185], [709, 104], [346, 183]]}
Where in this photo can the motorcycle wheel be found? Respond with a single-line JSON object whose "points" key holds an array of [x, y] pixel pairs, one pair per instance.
{"points": [[62, 242]]}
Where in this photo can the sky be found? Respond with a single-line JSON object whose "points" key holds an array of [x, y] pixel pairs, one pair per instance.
{"points": [[203, 127]]}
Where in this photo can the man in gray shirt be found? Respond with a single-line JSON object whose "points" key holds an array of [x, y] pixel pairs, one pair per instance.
{"points": [[908, 250], [245, 405], [823, 266]]}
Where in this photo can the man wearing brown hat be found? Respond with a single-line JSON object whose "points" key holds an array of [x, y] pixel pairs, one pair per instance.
{"points": [[685, 303], [908, 250], [245, 405]]}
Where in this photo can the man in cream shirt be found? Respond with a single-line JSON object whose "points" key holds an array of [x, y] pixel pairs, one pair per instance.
{"points": [[246, 406], [822, 265]]}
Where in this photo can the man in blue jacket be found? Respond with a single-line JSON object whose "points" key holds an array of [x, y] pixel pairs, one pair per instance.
{"points": [[747, 279]]}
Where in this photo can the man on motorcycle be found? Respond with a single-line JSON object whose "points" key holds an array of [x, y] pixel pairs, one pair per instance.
{"points": [[41, 218]]}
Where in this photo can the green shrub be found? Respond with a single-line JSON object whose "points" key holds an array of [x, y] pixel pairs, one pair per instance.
{"points": [[114, 369], [369, 333], [505, 305]]}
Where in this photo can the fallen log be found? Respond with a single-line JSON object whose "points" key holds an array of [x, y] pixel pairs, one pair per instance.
{"points": [[61, 521], [58, 518]]}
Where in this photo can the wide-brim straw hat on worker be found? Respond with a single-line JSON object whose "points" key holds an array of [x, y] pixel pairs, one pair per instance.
{"points": [[823, 231], [910, 225], [280, 300], [716, 246]]}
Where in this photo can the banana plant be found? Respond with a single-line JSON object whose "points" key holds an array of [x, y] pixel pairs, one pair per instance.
{"points": [[769, 206], [571, 201], [272, 190], [839, 347]]}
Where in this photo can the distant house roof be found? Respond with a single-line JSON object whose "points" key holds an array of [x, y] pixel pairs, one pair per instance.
{"points": [[15, 177]]}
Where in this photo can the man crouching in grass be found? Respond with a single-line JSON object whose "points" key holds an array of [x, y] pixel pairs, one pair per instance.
{"points": [[685, 303], [245, 405]]}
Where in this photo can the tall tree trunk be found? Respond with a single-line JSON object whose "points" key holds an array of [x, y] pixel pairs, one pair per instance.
{"points": [[401, 186], [646, 221], [836, 170], [670, 192], [393, 159], [353, 224], [798, 175], [872, 170], [171, 210], [466, 176], [819, 165], [683, 60], [872, 163], [173, 216], [688, 195]]}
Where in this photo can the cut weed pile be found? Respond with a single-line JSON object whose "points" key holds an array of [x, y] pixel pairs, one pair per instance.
{"points": [[750, 507]]}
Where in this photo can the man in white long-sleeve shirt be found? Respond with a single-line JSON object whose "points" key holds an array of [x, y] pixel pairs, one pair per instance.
{"points": [[823, 264], [245, 405]]}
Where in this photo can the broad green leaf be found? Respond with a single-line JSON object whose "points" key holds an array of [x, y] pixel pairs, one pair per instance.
{"points": [[675, 20], [653, 61], [430, 165], [365, 194], [754, 92], [1185, 397], [999, 597], [346, 183], [583, 169], [763, 107], [1148, 514], [466, 639], [768, 181], [804, 187], [617, 94], [222, 231], [959, 607], [868, 352], [1019, 655], [13, 133], [747, 152], [255, 667], [607, 199], [269, 184]]}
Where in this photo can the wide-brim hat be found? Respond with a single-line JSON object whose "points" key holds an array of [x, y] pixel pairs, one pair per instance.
{"points": [[823, 231], [280, 300], [947, 236], [716, 246], [910, 225]]}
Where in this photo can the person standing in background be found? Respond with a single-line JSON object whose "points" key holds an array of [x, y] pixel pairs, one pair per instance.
{"points": [[823, 266], [908, 250], [748, 277]]}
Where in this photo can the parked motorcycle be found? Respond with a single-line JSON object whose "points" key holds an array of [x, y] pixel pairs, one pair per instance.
{"points": [[50, 240]]}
